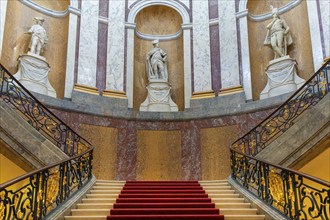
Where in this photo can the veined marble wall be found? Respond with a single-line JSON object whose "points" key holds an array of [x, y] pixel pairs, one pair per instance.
{"points": [[219, 50], [161, 150]]}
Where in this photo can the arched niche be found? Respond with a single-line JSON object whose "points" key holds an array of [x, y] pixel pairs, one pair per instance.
{"points": [[162, 22], [19, 18], [260, 55]]}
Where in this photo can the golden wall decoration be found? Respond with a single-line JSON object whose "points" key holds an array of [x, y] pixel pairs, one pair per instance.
{"points": [[215, 154], [105, 153], [158, 155]]}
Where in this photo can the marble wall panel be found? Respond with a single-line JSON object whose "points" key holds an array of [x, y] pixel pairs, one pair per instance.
{"points": [[145, 148], [159, 155], [325, 15], [316, 40], [71, 55], [245, 57], [215, 58], [3, 10], [104, 139], [19, 18], [191, 152], [228, 44], [260, 55], [88, 43], [215, 153], [130, 66], [116, 44], [201, 44], [127, 152], [102, 55]]}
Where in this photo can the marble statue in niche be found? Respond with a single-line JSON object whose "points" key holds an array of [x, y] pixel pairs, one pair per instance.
{"points": [[33, 68], [156, 64], [38, 36], [278, 36], [159, 90], [282, 70]]}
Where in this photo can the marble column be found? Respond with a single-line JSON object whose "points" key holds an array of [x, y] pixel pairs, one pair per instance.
{"points": [[88, 43], [228, 44], [315, 31], [3, 9], [71, 51], [130, 64], [245, 55], [201, 45], [187, 65], [116, 44]]}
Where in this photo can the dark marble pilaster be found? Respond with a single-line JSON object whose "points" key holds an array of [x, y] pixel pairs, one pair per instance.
{"points": [[215, 58], [127, 152], [191, 152]]}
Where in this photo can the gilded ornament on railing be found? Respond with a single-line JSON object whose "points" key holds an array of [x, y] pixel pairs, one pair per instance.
{"points": [[52, 188], [276, 188]]}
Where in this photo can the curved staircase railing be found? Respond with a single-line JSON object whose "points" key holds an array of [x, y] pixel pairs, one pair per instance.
{"points": [[36, 194], [292, 193]]}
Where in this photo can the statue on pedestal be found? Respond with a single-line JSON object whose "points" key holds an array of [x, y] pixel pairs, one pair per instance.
{"points": [[278, 36], [39, 36], [159, 90], [33, 69], [282, 70], [157, 62]]}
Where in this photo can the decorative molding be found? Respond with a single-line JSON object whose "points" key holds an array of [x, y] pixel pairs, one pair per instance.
{"points": [[186, 26], [160, 37], [203, 95], [86, 89], [146, 3], [281, 10], [214, 21], [242, 14], [114, 94], [103, 20], [46, 11], [231, 90], [130, 25]]}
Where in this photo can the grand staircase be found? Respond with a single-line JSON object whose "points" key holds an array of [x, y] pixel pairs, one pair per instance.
{"points": [[186, 200]]}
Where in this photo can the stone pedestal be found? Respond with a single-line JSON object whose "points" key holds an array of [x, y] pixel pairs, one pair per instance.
{"points": [[33, 74], [282, 77], [159, 97]]}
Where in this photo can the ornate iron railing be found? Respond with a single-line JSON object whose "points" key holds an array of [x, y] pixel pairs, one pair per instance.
{"points": [[48, 124], [294, 194], [36, 194], [284, 117]]}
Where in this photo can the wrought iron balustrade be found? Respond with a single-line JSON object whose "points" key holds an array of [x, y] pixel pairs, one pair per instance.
{"points": [[294, 194], [37, 194], [36, 114]]}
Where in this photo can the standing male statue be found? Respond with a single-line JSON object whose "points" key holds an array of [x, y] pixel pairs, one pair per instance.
{"points": [[39, 36], [277, 35], [157, 63]]}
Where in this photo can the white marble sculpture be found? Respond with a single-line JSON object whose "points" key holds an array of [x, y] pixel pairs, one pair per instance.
{"points": [[159, 90], [38, 36], [282, 70], [33, 69]]}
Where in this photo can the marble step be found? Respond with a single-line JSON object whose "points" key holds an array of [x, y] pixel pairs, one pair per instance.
{"points": [[228, 200], [238, 211], [90, 212], [85, 217], [245, 217], [215, 196], [95, 206], [100, 200]]}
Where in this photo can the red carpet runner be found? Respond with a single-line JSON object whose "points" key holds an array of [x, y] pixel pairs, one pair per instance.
{"points": [[181, 200]]}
